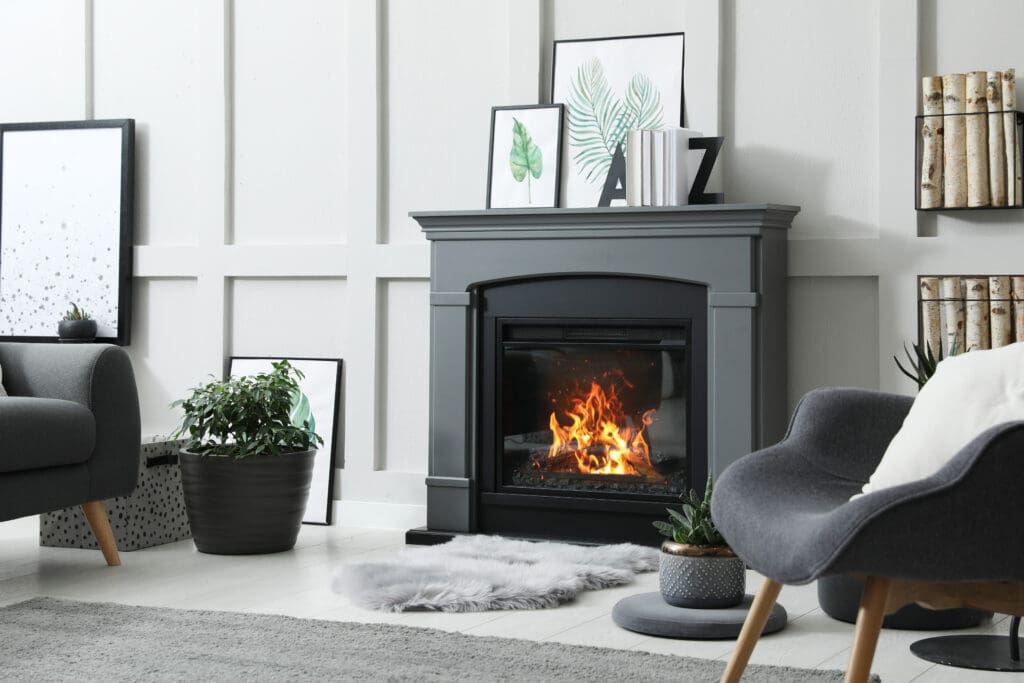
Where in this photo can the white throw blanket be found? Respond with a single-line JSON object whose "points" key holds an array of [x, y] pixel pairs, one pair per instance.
{"points": [[477, 573]]}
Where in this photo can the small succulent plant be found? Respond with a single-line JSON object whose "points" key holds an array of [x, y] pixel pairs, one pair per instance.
{"points": [[923, 362], [692, 526], [76, 313]]}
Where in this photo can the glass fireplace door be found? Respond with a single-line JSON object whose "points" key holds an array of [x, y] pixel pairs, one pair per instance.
{"points": [[593, 410]]}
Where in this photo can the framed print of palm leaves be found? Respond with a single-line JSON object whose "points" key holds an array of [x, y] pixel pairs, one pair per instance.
{"points": [[316, 405], [524, 165], [609, 85]]}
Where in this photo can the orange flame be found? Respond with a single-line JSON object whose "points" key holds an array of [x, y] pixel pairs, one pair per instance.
{"points": [[597, 440]]}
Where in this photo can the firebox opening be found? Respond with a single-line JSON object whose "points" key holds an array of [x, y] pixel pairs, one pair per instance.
{"points": [[591, 398], [590, 409]]}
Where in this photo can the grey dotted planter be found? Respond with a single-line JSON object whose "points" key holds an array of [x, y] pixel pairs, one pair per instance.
{"points": [[705, 582]]}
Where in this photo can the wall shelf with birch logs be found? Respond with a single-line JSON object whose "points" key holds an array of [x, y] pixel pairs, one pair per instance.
{"points": [[969, 143], [958, 313]]}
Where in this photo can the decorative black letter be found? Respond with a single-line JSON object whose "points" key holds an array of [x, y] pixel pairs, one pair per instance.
{"points": [[615, 183], [711, 147]]}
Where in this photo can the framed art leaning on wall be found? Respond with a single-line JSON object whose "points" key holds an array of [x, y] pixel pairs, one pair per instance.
{"points": [[525, 159], [319, 402], [608, 86], [67, 195]]}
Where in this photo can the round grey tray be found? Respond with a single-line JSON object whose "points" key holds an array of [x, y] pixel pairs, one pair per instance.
{"points": [[649, 613]]}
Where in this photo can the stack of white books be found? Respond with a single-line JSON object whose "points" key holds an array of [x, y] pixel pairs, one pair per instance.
{"points": [[657, 166]]}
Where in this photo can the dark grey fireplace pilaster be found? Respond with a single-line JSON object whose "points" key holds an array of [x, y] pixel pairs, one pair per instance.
{"points": [[737, 250]]}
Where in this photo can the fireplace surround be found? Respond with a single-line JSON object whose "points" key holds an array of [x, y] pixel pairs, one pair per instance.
{"points": [[587, 365]]}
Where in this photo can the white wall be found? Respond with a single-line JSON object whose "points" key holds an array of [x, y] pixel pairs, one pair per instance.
{"points": [[282, 144]]}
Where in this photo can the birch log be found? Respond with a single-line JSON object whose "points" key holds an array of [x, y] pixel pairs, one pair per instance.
{"points": [[954, 141], [977, 314], [1013, 176], [931, 139], [1017, 282], [977, 145], [953, 306], [999, 310], [996, 142], [931, 324]]}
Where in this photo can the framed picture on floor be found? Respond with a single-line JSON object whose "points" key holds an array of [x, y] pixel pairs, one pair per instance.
{"points": [[67, 193], [321, 393], [609, 85], [525, 159]]}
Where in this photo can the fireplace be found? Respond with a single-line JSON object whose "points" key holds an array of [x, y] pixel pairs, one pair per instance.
{"points": [[588, 366]]}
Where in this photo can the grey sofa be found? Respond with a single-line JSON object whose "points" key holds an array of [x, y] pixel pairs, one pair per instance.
{"points": [[69, 431], [948, 541]]}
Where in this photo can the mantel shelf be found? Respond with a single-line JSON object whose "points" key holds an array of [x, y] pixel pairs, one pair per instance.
{"points": [[719, 219]]}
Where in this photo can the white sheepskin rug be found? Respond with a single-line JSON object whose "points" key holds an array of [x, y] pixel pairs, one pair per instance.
{"points": [[478, 573]]}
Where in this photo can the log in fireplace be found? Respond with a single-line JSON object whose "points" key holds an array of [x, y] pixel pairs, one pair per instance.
{"points": [[588, 366]]}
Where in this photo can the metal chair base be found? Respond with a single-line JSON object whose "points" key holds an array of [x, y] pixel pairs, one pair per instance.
{"points": [[989, 653]]}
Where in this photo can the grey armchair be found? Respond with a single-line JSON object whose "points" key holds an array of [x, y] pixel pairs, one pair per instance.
{"points": [[951, 540], [69, 431]]}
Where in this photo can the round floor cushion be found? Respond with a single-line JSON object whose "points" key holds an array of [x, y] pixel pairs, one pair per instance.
{"points": [[649, 613]]}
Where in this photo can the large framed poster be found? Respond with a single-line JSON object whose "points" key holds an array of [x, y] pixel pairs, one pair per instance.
{"points": [[608, 86], [67, 194]]}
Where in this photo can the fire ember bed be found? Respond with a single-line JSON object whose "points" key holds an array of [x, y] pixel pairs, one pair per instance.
{"points": [[603, 483]]}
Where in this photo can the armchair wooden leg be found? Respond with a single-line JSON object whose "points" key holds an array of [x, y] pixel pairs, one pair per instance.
{"points": [[869, 624], [96, 514], [757, 617]]}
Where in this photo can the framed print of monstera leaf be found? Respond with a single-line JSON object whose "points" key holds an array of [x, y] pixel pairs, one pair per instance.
{"points": [[524, 161], [609, 85]]}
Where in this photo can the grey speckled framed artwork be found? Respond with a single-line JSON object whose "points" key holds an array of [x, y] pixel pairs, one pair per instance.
{"points": [[67, 192]]}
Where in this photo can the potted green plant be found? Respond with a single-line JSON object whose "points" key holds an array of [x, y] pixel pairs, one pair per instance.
{"points": [[923, 362], [698, 569], [77, 325], [247, 464]]}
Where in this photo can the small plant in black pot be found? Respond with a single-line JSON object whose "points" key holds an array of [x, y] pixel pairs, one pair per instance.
{"points": [[698, 569], [77, 325], [247, 462]]}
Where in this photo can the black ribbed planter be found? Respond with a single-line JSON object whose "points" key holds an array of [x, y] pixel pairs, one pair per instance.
{"points": [[77, 330], [245, 506]]}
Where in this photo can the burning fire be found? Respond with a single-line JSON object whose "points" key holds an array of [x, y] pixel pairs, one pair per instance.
{"points": [[598, 441]]}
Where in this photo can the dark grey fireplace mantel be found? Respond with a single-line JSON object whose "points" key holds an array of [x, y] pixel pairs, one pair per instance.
{"points": [[737, 250]]}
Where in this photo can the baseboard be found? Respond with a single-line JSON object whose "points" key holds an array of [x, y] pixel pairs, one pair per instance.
{"points": [[372, 515]]}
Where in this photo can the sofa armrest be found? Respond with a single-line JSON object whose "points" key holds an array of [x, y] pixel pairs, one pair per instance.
{"points": [[98, 376], [846, 431]]}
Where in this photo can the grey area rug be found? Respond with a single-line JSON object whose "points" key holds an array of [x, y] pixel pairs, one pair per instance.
{"points": [[45, 639], [478, 572]]}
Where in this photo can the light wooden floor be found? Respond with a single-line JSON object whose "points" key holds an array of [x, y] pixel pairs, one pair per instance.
{"points": [[298, 584]]}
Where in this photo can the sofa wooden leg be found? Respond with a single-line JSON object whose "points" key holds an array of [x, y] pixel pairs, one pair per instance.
{"points": [[869, 624], [96, 514], [757, 617]]}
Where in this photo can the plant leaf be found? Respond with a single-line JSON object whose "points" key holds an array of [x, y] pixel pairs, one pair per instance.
{"points": [[664, 528], [525, 156], [301, 414], [678, 518], [596, 125], [642, 104]]}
